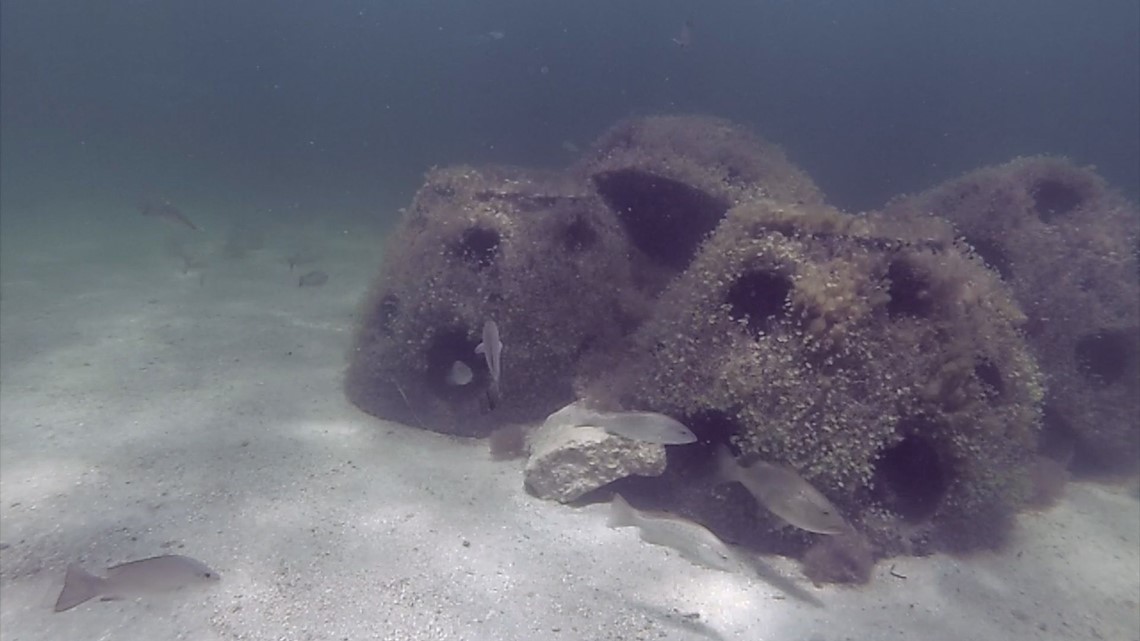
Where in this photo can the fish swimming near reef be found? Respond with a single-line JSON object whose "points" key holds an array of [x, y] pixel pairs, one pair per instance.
{"points": [[134, 579], [684, 39], [647, 427], [315, 278], [485, 38], [167, 211], [460, 374], [691, 540], [784, 493], [492, 350]]}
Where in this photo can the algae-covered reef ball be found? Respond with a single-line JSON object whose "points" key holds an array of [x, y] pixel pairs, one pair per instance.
{"points": [[874, 357], [670, 179], [537, 253], [1067, 247], [567, 264]]}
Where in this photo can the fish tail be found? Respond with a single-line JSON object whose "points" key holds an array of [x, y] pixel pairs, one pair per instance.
{"points": [[79, 586], [727, 469], [494, 395], [621, 513]]}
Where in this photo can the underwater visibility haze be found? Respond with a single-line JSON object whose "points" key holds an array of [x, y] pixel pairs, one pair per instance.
{"points": [[408, 320]]}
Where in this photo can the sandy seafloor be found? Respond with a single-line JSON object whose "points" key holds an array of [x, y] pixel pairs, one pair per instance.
{"points": [[144, 411]]}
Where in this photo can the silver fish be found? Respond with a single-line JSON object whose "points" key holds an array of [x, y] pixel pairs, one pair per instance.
{"points": [[648, 427], [460, 374], [492, 350], [784, 493], [692, 540], [135, 578], [685, 39]]}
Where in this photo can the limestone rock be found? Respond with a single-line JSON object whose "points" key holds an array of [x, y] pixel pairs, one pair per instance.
{"points": [[568, 461]]}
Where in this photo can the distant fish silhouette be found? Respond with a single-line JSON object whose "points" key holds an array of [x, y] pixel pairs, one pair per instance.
{"points": [[315, 278], [685, 39], [166, 210], [485, 38]]}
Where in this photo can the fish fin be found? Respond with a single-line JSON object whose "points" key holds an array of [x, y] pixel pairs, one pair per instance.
{"points": [[621, 513], [479, 349], [494, 395], [79, 586]]}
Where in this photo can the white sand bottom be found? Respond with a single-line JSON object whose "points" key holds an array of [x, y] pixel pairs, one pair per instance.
{"points": [[143, 411]]}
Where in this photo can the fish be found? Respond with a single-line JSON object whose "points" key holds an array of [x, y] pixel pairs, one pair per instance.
{"points": [[647, 427], [315, 278], [684, 39], [167, 211], [784, 493], [691, 540], [136, 578], [460, 374], [486, 38], [492, 350]]}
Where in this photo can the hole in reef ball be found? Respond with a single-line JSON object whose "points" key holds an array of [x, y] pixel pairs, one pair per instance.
{"points": [[579, 235], [664, 218], [994, 256], [712, 427], [1053, 198], [910, 293], [910, 479], [758, 298], [1104, 357], [990, 376], [478, 246], [447, 346]]}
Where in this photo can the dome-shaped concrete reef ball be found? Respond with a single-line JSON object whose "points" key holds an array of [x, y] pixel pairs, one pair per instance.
{"points": [[536, 252], [1067, 246], [874, 356]]}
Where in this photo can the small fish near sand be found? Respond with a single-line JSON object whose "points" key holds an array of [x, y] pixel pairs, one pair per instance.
{"points": [[492, 350], [167, 211], [784, 493], [315, 278], [144, 577], [691, 540], [647, 427]]}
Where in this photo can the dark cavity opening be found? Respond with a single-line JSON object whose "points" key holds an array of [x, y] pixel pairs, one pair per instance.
{"points": [[386, 313], [994, 255], [477, 246], [446, 347], [910, 479], [664, 218], [909, 291], [579, 235], [713, 429], [1057, 440], [1053, 198], [1105, 357], [759, 298], [990, 376]]}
